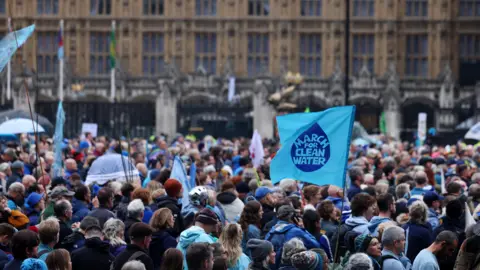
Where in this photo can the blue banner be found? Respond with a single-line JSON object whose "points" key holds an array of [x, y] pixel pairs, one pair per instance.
{"points": [[193, 174], [314, 146], [11, 42], [179, 173], [58, 140]]}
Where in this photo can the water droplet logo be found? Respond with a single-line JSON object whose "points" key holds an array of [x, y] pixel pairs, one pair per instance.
{"points": [[311, 149]]}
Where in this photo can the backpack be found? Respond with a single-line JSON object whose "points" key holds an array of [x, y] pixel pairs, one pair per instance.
{"points": [[278, 240], [134, 257], [386, 257], [339, 236]]}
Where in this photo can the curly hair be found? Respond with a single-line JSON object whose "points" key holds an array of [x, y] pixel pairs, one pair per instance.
{"points": [[250, 215], [231, 240], [160, 218], [142, 194], [325, 209]]}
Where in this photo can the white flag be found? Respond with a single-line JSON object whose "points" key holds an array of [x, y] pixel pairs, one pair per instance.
{"points": [[231, 89], [468, 217], [442, 175], [256, 149]]}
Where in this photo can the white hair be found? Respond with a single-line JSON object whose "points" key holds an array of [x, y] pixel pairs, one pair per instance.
{"points": [[287, 184], [112, 229], [17, 187], [359, 261], [392, 234], [418, 212], [134, 265], [116, 187], [135, 208]]}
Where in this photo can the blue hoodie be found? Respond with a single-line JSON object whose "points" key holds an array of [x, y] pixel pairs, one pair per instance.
{"points": [[242, 263], [433, 218], [360, 224], [80, 210], [374, 222], [191, 235]]}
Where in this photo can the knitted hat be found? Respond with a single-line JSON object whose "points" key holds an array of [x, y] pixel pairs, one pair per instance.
{"points": [[33, 264], [285, 212], [362, 242], [172, 187], [306, 260], [259, 249], [207, 217]]}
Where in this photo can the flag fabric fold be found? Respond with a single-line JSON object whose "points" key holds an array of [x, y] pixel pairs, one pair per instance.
{"points": [[11, 42], [60, 52], [383, 124], [179, 173], [58, 140], [314, 146], [193, 174], [256, 149]]}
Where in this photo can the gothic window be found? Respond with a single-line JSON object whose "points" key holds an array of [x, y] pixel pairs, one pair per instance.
{"points": [[311, 54], [206, 51], [2, 6], [153, 53], [206, 7], [258, 7], [469, 8], [47, 6], [416, 8], [99, 53], [100, 7], [363, 8], [469, 48], [258, 49], [47, 46], [416, 62], [363, 52], [311, 8], [153, 7]]}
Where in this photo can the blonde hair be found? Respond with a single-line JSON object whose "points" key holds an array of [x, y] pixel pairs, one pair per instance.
{"points": [[231, 240], [152, 186], [160, 218], [158, 193]]}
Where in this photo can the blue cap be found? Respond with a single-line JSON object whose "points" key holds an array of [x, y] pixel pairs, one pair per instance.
{"points": [[33, 199], [261, 192], [83, 145], [431, 196]]}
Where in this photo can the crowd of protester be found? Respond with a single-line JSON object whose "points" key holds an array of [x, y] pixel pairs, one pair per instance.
{"points": [[404, 207]]}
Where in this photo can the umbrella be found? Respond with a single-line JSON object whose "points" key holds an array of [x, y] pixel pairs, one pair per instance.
{"points": [[12, 114], [112, 167], [20, 125]]}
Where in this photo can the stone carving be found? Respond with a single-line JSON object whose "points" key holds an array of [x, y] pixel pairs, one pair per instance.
{"points": [[282, 99]]}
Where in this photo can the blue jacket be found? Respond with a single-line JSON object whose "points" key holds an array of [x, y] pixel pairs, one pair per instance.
{"points": [[418, 236], [191, 235], [147, 214], [283, 232], [374, 222], [161, 241], [360, 224], [352, 191], [242, 263], [80, 210], [33, 215], [394, 264], [433, 218], [4, 259], [253, 232]]}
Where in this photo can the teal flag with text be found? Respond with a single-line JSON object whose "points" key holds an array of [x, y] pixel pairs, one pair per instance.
{"points": [[314, 146]]}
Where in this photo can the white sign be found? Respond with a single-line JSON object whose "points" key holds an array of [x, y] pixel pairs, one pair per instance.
{"points": [[422, 126], [90, 127]]}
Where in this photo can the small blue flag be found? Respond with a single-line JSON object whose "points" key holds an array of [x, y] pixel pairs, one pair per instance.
{"points": [[11, 42], [179, 173], [58, 140], [314, 146], [193, 174]]}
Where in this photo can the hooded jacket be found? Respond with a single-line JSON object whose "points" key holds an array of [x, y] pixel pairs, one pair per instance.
{"points": [[161, 241], [283, 231], [374, 222], [94, 255], [125, 255], [80, 210], [191, 235], [360, 224], [176, 208], [231, 205], [74, 241], [433, 218]]}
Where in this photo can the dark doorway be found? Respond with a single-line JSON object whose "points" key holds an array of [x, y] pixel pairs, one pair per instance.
{"points": [[410, 118]]}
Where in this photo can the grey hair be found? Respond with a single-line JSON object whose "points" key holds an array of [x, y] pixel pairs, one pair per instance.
{"points": [[359, 261], [287, 184], [448, 237], [93, 232], [17, 187], [418, 212], [112, 229], [116, 187], [355, 172], [381, 188], [401, 190], [135, 208], [392, 234], [293, 246], [358, 163], [134, 265], [476, 177]]}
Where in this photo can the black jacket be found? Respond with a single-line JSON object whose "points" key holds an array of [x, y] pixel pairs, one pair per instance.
{"points": [[65, 230], [176, 208], [268, 214], [94, 255], [456, 226], [123, 257], [121, 209], [74, 241], [128, 223], [161, 241], [103, 214]]}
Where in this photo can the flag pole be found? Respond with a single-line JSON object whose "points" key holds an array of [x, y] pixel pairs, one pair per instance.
{"points": [[60, 66], [112, 67], [9, 66]]}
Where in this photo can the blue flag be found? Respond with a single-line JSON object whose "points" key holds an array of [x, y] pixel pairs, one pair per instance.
{"points": [[11, 42], [179, 173], [314, 146], [193, 174], [58, 140]]}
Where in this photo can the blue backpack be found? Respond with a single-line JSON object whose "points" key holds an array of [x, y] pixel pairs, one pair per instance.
{"points": [[278, 240]]}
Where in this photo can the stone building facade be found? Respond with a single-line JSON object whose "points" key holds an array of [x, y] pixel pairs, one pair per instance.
{"points": [[178, 55]]}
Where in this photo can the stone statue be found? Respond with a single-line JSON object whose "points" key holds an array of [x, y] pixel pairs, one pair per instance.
{"points": [[281, 99]]}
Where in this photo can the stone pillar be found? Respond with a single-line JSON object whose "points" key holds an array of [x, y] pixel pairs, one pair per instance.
{"points": [[166, 112], [263, 113], [393, 118]]}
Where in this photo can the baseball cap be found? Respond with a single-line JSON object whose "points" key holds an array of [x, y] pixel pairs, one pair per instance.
{"points": [[61, 191], [33, 199], [17, 165], [431, 196], [261, 192]]}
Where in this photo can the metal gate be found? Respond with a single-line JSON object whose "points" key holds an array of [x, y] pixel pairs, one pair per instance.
{"points": [[113, 119]]}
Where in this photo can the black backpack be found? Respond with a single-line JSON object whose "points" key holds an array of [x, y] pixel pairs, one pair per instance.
{"points": [[339, 235]]}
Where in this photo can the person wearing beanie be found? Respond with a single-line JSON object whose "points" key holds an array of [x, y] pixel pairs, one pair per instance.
{"points": [[206, 222], [359, 261], [287, 228], [34, 205], [242, 190], [262, 254], [33, 264], [371, 246], [172, 201], [307, 260], [290, 248]]}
